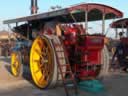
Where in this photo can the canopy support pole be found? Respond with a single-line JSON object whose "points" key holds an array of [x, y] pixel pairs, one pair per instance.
{"points": [[28, 30], [86, 22], [9, 36], [116, 36], [16, 24], [122, 28], [103, 24]]}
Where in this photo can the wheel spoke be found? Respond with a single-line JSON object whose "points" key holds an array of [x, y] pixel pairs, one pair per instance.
{"points": [[37, 71], [14, 65], [37, 51], [47, 50], [41, 79], [41, 54], [17, 66], [45, 74], [46, 77], [37, 61], [41, 66], [45, 61], [17, 69], [40, 43]]}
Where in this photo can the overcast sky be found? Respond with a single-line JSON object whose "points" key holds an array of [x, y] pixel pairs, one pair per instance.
{"points": [[18, 8]]}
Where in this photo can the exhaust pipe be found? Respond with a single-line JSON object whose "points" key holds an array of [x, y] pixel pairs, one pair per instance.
{"points": [[34, 7]]}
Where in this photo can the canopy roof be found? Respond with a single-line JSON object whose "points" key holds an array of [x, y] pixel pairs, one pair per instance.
{"points": [[122, 23], [95, 12]]}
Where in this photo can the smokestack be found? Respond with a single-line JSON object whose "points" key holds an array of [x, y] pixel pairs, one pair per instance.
{"points": [[34, 6]]}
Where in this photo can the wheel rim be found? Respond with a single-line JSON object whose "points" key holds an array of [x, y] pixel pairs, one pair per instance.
{"points": [[41, 62], [15, 64]]}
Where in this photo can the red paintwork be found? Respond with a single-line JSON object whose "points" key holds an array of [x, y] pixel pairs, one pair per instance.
{"points": [[91, 6], [89, 47], [124, 40], [92, 48], [94, 45], [71, 33], [94, 42]]}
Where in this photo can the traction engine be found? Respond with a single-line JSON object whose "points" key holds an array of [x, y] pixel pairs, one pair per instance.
{"points": [[55, 46], [76, 54]]}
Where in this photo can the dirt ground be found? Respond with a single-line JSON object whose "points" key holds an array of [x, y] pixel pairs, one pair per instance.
{"points": [[116, 84]]}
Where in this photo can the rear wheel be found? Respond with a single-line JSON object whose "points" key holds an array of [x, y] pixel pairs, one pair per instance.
{"points": [[16, 64], [43, 63]]}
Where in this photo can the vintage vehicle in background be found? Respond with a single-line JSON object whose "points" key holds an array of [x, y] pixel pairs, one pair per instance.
{"points": [[56, 45], [121, 29]]}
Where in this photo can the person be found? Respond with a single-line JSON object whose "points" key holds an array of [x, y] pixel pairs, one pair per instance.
{"points": [[121, 34]]}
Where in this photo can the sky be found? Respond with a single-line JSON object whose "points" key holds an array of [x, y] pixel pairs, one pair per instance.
{"points": [[17, 8]]}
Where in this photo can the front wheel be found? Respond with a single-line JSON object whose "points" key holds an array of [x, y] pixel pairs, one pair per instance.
{"points": [[16, 64]]}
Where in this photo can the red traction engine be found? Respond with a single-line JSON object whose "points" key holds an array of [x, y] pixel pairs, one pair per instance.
{"points": [[54, 44]]}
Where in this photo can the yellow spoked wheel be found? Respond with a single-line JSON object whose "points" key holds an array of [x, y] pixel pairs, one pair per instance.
{"points": [[42, 62], [16, 66]]}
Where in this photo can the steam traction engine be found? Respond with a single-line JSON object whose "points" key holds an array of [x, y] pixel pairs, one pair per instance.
{"points": [[121, 28], [59, 45]]}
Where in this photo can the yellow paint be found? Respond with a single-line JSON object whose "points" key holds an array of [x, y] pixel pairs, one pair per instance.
{"points": [[58, 30], [15, 64], [41, 65]]}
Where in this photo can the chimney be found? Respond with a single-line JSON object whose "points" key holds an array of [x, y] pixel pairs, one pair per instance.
{"points": [[34, 6]]}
